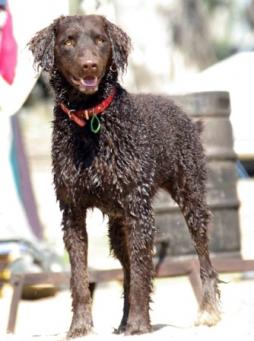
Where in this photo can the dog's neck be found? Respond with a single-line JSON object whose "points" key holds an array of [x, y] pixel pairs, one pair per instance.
{"points": [[75, 99]]}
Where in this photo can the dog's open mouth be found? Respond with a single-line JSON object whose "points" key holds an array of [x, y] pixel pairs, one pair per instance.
{"points": [[88, 84]]}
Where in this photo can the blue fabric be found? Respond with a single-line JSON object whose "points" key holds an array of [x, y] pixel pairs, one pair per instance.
{"points": [[15, 168], [241, 171], [3, 2]]}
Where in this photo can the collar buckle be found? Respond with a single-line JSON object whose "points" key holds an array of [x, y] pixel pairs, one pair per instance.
{"points": [[70, 113], [86, 114]]}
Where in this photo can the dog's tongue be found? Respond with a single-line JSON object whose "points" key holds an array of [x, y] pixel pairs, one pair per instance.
{"points": [[89, 81]]}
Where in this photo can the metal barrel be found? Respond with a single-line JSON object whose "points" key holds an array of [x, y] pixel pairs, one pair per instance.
{"points": [[213, 109]]}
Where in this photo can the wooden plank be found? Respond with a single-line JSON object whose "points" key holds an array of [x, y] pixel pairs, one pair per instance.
{"points": [[56, 278], [171, 268], [17, 292], [228, 265], [106, 275]]}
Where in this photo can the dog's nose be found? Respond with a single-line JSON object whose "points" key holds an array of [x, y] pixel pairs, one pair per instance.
{"points": [[90, 65]]}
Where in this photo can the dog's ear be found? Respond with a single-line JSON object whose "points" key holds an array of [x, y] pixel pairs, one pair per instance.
{"points": [[42, 46], [120, 44]]}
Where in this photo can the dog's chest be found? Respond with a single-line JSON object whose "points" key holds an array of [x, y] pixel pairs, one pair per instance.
{"points": [[95, 170]]}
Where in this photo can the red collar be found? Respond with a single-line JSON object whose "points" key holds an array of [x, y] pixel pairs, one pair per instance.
{"points": [[80, 117]]}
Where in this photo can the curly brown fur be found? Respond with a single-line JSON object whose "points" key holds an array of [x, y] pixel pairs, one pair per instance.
{"points": [[146, 143]]}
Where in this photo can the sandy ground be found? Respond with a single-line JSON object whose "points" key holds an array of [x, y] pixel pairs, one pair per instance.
{"points": [[173, 309], [173, 313]]}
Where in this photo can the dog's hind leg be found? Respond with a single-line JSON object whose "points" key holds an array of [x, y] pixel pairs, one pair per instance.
{"points": [[75, 239], [137, 259], [197, 218], [132, 243], [189, 193], [119, 248]]}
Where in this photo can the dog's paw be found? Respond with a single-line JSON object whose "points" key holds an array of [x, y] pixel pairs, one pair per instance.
{"points": [[209, 319], [79, 331], [137, 328], [74, 333]]}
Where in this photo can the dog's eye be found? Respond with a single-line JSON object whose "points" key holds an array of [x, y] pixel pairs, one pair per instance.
{"points": [[69, 42], [100, 40]]}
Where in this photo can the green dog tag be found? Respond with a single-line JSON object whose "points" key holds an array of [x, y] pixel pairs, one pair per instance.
{"points": [[95, 124]]}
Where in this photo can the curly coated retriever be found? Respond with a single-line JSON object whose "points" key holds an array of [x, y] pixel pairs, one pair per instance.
{"points": [[113, 150]]}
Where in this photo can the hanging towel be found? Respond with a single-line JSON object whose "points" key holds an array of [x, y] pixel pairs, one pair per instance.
{"points": [[8, 50]]}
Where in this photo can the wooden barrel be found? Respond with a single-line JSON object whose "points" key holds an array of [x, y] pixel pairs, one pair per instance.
{"points": [[213, 108]]}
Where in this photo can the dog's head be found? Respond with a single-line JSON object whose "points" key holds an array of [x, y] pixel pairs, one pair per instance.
{"points": [[82, 48]]}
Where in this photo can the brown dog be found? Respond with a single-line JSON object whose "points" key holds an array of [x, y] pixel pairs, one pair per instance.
{"points": [[114, 150]]}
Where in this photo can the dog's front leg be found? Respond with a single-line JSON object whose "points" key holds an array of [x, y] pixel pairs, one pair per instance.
{"points": [[75, 239], [139, 231]]}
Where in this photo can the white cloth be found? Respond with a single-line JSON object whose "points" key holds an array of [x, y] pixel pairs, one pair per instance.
{"points": [[29, 16]]}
